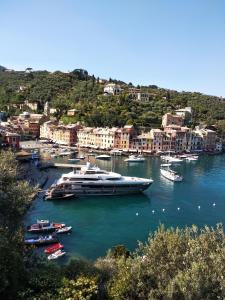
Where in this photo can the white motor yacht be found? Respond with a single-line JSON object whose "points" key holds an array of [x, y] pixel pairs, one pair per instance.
{"points": [[170, 174], [92, 181], [134, 158]]}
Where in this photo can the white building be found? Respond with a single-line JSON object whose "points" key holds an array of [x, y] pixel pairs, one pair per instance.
{"points": [[112, 89], [143, 96], [185, 113]]}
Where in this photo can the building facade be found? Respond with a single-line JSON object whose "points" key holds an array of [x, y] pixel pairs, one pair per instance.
{"points": [[169, 119], [59, 133]]}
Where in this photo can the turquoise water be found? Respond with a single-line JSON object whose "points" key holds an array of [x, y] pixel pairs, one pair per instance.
{"points": [[102, 222]]}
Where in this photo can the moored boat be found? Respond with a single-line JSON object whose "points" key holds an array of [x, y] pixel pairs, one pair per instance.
{"points": [[42, 221], [81, 157], [58, 196], [41, 240], [134, 158], [65, 229], [38, 228], [66, 153], [116, 152], [170, 174], [171, 159], [192, 158], [56, 255], [56, 225], [92, 181], [73, 160], [103, 157], [53, 248]]}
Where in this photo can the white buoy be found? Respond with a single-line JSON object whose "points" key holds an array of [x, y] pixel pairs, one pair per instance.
{"points": [[214, 204], [199, 207], [153, 211], [163, 209], [178, 208], [137, 214]]}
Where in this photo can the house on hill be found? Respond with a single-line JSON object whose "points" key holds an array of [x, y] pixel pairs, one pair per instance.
{"points": [[112, 89]]}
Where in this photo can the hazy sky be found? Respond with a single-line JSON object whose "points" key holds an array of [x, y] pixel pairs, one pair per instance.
{"points": [[177, 44]]}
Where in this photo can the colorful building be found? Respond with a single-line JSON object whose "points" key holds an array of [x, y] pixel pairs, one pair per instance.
{"points": [[59, 133]]}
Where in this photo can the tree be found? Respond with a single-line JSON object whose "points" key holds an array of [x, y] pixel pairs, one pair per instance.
{"points": [[83, 288], [61, 106], [15, 195], [174, 264], [118, 251]]}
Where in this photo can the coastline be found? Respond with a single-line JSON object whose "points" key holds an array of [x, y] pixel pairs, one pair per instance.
{"points": [[36, 177]]}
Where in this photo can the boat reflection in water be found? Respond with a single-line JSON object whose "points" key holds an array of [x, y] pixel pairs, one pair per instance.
{"points": [[92, 181]]}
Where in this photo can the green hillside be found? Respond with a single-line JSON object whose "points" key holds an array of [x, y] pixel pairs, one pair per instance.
{"points": [[79, 90]]}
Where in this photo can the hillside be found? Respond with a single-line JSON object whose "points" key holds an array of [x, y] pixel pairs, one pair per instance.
{"points": [[85, 93]]}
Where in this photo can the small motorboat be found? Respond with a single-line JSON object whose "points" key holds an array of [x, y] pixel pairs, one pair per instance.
{"points": [[171, 159], [56, 255], [66, 153], [46, 227], [91, 154], [53, 248], [38, 228], [50, 196], [41, 240], [65, 229], [73, 160], [103, 157], [42, 221], [192, 158], [116, 152], [183, 156], [134, 158], [81, 157], [56, 225]]}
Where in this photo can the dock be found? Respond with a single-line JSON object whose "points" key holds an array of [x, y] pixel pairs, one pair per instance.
{"points": [[74, 166], [47, 165]]}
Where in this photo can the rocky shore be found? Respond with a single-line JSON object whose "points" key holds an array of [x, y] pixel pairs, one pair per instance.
{"points": [[33, 174]]}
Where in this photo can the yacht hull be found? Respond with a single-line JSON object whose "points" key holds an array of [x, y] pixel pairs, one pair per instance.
{"points": [[99, 190]]}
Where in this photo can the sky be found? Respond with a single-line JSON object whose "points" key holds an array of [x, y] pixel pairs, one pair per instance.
{"points": [[175, 44]]}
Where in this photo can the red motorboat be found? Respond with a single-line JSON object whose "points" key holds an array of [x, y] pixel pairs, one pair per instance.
{"points": [[53, 248]]}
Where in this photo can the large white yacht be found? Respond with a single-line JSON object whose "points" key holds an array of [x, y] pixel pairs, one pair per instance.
{"points": [[93, 181]]}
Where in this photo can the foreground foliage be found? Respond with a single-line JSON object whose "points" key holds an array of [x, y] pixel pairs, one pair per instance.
{"points": [[177, 263], [174, 264]]}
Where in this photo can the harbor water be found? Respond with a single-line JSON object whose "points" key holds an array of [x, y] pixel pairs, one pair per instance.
{"points": [[104, 221]]}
